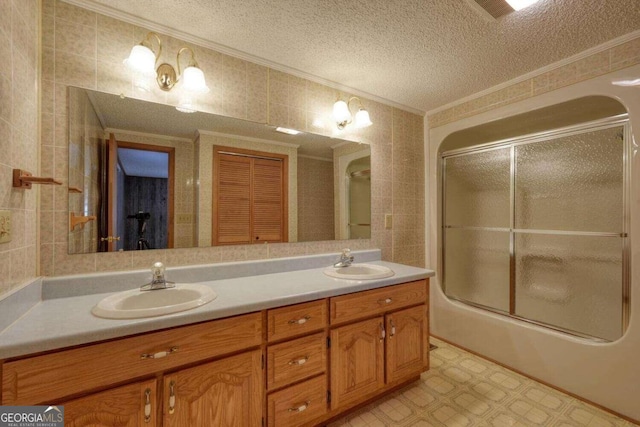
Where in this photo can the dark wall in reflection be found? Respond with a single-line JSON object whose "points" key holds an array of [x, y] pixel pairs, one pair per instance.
{"points": [[146, 196]]}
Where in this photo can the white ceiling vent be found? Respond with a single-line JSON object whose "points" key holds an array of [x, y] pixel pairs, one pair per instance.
{"points": [[492, 9]]}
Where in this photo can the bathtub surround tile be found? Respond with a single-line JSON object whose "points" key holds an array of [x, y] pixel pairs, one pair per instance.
{"points": [[622, 56], [462, 389], [625, 55]]}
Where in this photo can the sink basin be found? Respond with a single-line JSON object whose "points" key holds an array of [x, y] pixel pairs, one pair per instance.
{"points": [[135, 303], [360, 272]]}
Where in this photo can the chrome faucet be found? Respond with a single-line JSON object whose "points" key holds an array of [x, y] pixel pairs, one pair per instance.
{"points": [[345, 259], [158, 281]]}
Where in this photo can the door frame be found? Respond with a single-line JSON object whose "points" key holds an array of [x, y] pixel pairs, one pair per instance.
{"points": [[171, 151]]}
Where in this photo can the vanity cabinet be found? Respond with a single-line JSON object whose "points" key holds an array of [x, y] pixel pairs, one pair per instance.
{"points": [[132, 405], [357, 361], [226, 393], [407, 343], [380, 352], [297, 365]]}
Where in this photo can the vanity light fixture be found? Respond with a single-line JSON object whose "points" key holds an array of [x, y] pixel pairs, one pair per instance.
{"points": [[190, 81], [520, 4], [288, 131], [342, 114]]}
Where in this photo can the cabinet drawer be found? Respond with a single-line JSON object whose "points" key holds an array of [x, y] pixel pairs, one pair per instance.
{"points": [[49, 377], [296, 319], [360, 305], [297, 405], [295, 360]]}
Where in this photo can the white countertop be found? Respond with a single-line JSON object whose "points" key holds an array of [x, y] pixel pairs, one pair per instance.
{"points": [[67, 321]]}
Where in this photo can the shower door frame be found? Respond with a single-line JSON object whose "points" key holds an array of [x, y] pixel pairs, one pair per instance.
{"points": [[512, 143]]}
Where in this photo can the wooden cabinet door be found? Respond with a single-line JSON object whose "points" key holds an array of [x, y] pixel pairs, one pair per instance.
{"points": [[224, 393], [357, 361], [406, 343], [133, 405], [267, 216], [232, 200], [250, 197]]}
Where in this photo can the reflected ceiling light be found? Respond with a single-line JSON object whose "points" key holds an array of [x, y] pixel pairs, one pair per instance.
{"points": [[342, 114], [288, 131], [627, 82], [142, 61], [520, 4]]}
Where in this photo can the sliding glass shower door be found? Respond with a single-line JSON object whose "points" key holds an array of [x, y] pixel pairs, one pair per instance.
{"points": [[536, 229], [477, 227]]}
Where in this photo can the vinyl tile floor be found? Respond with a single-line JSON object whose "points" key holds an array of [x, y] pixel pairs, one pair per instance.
{"points": [[462, 389]]}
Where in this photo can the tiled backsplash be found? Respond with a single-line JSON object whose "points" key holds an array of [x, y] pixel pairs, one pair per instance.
{"points": [[19, 144], [86, 49], [609, 60]]}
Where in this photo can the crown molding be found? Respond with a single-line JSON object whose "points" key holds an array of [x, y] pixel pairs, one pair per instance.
{"points": [[147, 134], [304, 156], [199, 41], [563, 62]]}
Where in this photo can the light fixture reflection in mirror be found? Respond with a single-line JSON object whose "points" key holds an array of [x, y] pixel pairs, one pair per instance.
{"points": [[101, 124]]}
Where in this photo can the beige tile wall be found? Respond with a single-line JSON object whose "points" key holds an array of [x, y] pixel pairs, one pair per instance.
{"points": [[85, 136], [85, 49], [19, 26], [613, 59], [339, 153], [315, 200]]}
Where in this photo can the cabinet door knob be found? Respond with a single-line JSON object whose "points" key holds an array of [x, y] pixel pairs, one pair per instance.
{"points": [[300, 321], [147, 405], [383, 333], [172, 397], [300, 408], [300, 361], [393, 328]]}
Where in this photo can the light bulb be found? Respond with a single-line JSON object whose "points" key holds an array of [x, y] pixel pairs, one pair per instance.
{"points": [[193, 80], [341, 112], [141, 60], [362, 119]]}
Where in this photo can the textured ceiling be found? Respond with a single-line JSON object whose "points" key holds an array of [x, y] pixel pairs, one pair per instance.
{"points": [[418, 53]]}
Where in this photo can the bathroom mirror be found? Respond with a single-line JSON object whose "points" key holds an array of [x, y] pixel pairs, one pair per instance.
{"points": [[143, 175]]}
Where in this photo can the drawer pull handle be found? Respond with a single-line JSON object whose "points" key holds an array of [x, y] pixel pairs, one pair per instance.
{"points": [[301, 407], [393, 328], [300, 361], [385, 301], [300, 321], [383, 333], [172, 397], [158, 355], [147, 405]]}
